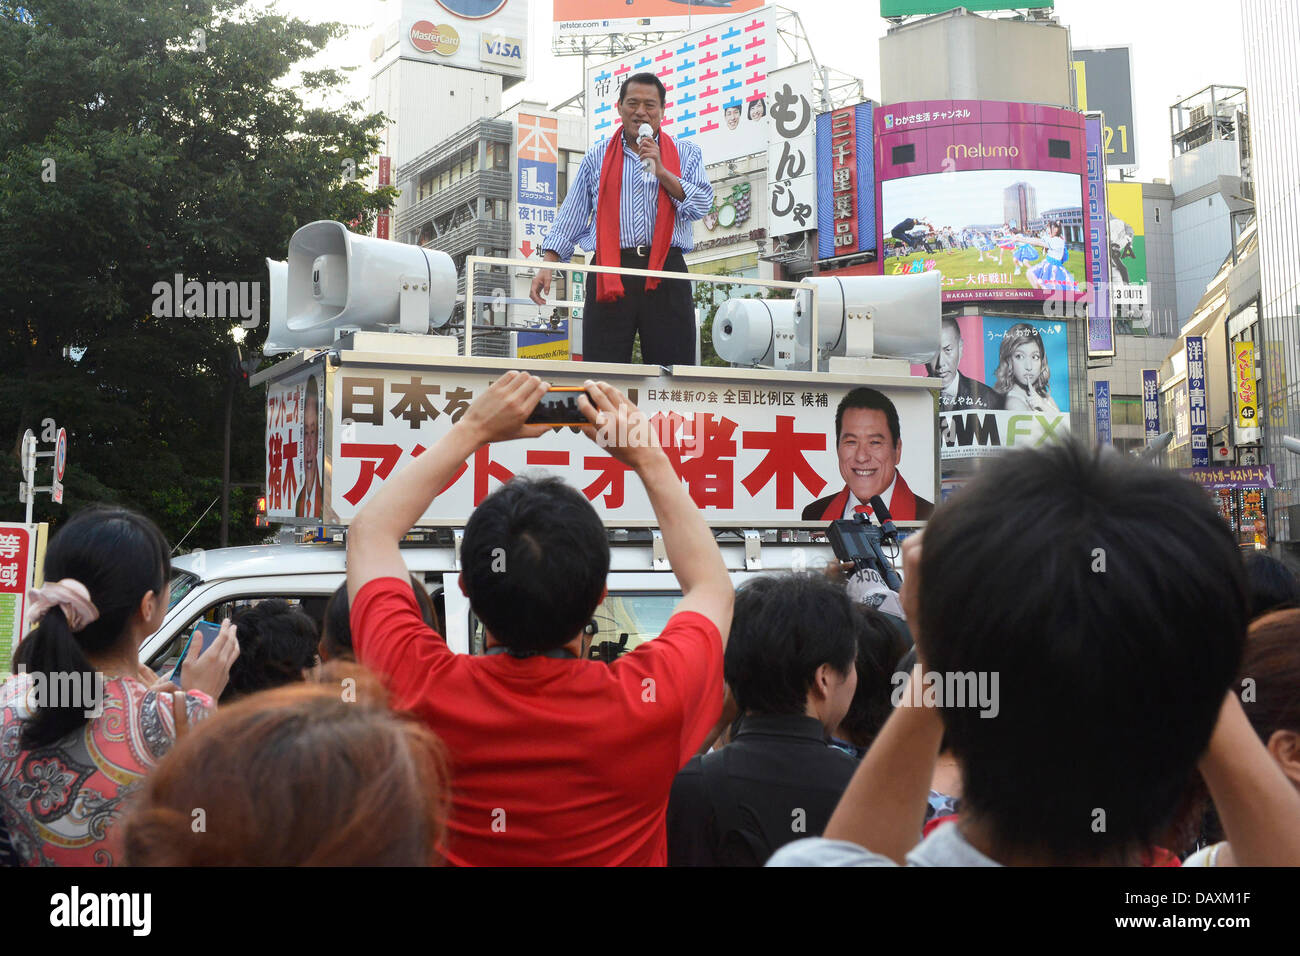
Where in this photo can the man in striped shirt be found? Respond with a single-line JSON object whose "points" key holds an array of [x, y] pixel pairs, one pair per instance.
{"points": [[662, 190]]}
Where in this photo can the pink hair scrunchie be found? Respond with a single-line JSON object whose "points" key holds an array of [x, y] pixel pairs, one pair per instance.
{"points": [[69, 594]]}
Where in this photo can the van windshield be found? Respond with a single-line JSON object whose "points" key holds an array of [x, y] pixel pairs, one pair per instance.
{"points": [[624, 621], [182, 583]]}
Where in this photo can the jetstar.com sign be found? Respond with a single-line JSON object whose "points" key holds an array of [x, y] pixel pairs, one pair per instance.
{"points": [[428, 38]]}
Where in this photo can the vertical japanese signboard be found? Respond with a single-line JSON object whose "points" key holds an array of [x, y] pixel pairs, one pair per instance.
{"points": [[295, 447], [384, 220], [537, 144], [17, 570], [1101, 397], [846, 183], [716, 82], [1151, 402], [791, 168], [1196, 405], [1243, 370], [1101, 327]]}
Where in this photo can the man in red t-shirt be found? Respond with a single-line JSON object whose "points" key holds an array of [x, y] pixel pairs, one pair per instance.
{"points": [[555, 759]]}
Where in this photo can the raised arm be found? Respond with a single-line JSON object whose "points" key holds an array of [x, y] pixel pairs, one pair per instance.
{"points": [[374, 536], [1258, 805], [883, 808], [623, 430]]}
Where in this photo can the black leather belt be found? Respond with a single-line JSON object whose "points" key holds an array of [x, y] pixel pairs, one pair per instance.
{"points": [[643, 252]]}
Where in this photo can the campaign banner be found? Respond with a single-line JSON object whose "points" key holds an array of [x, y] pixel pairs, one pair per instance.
{"points": [[746, 450], [1194, 346], [1151, 402], [572, 18], [717, 83], [537, 152], [1101, 405], [17, 574], [1101, 327], [846, 182], [295, 446], [1243, 370], [791, 162], [989, 194], [1241, 478], [1005, 384], [552, 345]]}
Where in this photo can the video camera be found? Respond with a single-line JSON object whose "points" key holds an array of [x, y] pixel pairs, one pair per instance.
{"points": [[856, 539]]}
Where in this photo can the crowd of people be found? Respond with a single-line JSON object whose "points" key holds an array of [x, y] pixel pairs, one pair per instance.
{"points": [[1104, 681]]}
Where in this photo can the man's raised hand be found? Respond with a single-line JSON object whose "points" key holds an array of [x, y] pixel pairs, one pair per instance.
{"points": [[621, 428], [499, 413]]}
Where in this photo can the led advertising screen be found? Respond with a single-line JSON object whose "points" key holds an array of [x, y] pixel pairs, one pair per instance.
{"points": [[991, 195]]}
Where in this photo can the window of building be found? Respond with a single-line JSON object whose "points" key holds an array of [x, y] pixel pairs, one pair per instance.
{"points": [[1126, 410]]}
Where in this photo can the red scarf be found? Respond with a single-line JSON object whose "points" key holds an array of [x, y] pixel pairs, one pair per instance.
{"points": [[609, 286]]}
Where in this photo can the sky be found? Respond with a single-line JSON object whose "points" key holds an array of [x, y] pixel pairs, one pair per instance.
{"points": [[1179, 48]]}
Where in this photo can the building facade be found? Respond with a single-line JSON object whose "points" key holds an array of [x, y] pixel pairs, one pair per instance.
{"points": [[1271, 32]]}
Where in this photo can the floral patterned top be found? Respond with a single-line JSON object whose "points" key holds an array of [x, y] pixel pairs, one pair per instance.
{"points": [[61, 804]]}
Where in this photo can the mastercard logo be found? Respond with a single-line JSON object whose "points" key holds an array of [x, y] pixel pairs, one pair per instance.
{"points": [[428, 38]]}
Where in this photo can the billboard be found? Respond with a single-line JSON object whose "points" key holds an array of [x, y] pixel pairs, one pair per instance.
{"points": [[1101, 409], [743, 447], [989, 194], [1128, 247], [582, 17], [1195, 350], [1103, 83], [537, 151], [791, 165], [846, 182], [487, 35], [716, 81], [1245, 387], [1151, 402], [1101, 328], [921, 8], [1005, 383], [17, 575]]}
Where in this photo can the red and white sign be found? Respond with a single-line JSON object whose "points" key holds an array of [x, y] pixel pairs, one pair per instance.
{"points": [[747, 450], [17, 574]]}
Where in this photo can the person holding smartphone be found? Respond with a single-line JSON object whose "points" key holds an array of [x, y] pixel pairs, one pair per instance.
{"points": [[556, 759]]}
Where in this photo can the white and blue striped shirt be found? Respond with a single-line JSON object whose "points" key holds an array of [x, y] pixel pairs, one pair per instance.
{"points": [[575, 223]]}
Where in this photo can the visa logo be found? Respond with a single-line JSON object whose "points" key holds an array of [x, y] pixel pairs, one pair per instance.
{"points": [[504, 49]]}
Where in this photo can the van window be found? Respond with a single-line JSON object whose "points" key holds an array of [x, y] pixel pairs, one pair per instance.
{"points": [[182, 583], [165, 658], [624, 621]]}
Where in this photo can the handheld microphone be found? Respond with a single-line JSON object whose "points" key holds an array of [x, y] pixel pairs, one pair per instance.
{"points": [[645, 132], [889, 531]]}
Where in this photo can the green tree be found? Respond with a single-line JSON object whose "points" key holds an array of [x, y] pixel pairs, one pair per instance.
{"points": [[140, 139]]}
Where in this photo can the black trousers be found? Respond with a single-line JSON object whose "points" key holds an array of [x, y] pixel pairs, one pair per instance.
{"points": [[665, 317]]}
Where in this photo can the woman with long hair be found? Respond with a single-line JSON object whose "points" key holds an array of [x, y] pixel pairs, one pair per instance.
{"points": [[82, 720], [1023, 373]]}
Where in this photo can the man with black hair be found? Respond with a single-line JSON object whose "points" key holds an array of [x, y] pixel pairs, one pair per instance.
{"points": [[556, 760], [790, 667], [1113, 610], [958, 391], [869, 447], [278, 645], [633, 203]]}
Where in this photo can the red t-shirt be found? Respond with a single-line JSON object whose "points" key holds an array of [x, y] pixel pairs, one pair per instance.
{"points": [[554, 761]]}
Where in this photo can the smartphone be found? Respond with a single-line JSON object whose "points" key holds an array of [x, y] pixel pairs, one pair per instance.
{"points": [[559, 406], [207, 632]]}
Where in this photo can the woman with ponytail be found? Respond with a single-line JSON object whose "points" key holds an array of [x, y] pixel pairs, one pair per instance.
{"points": [[82, 720]]}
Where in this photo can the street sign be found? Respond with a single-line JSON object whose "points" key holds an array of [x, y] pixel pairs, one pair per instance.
{"points": [[60, 454], [28, 452]]}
